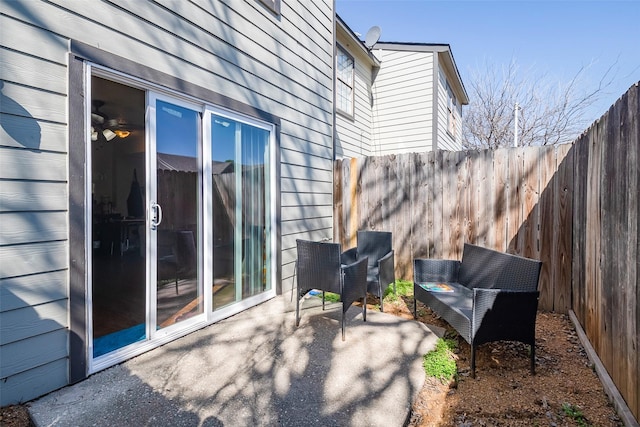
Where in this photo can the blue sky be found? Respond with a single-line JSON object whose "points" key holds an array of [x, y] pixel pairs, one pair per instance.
{"points": [[557, 38]]}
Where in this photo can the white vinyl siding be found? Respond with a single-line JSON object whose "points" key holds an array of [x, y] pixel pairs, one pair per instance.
{"points": [[280, 64], [403, 93]]}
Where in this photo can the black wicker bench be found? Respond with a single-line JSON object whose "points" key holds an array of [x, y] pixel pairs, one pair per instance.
{"points": [[494, 296]]}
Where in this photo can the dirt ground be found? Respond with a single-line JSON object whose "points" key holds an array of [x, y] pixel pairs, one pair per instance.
{"points": [[503, 393]]}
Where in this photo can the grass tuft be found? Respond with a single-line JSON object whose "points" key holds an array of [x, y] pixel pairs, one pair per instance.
{"points": [[441, 362], [403, 288]]}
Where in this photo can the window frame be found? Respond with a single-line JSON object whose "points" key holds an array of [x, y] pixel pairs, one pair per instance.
{"points": [[452, 107], [341, 81]]}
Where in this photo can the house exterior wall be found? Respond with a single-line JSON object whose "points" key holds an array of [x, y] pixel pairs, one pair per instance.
{"points": [[403, 95], [354, 138], [353, 132], [408, 104], [240, 50]]}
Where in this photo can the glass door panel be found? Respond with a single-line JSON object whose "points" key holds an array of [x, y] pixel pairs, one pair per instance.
{"points": [[240, 213], [118, 174], [177, 137]]}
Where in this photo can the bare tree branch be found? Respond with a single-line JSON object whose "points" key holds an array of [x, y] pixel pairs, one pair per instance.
{"points": [[550, 113]]}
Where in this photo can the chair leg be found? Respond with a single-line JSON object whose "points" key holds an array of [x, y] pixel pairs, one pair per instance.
{"points": [[342, 323], [322, 300], [364, 308], [473, 361], [381, 296], [176, 277], [297, 290], [415, 307], [533, 359]]}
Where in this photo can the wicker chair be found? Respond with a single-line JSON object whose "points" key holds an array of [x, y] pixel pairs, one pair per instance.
{"points": [[495, 296], [318, 267], [377, 247]]}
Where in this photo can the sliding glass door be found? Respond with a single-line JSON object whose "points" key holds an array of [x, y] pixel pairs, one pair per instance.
{"points": [[181, 216]]}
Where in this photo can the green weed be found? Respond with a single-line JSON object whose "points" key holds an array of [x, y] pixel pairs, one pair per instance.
{"points": [[403, 288], [575, 413], [331, 297], [440, 363]]}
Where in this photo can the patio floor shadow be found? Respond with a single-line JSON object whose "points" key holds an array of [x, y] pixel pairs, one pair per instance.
{"points": [[256, 368]]}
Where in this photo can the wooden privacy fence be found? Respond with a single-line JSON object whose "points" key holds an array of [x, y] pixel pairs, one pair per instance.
{"points": [[574, 207], [516, 200], [606, 246]]}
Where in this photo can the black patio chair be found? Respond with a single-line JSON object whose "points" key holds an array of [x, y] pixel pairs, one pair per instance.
{"points": [[318, 267], [177, 257], [377, 247]]}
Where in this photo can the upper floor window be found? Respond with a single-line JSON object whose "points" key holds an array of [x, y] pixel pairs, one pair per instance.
{"points": [[452, 107], [344, 82]]}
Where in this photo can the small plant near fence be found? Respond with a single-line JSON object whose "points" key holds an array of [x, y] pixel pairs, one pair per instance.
{"points": [[575, 413]]}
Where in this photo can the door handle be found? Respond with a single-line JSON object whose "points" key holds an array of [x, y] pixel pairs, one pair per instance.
{"points": [[156, 218]]}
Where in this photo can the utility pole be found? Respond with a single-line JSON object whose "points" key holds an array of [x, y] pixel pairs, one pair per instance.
{"points": [[515, 126]]}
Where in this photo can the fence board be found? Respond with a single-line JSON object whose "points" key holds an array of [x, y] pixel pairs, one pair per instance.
{"points": [[614, 212], [437, 195], [430, 164], [404, 215], [578, 272], [419, 217], [548, 216], [473, 186], [500, 182], [514, 213], [531, 211], [562, 258]]}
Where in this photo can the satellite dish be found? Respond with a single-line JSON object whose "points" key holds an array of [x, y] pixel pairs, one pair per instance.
{"points": [[372, 37]]}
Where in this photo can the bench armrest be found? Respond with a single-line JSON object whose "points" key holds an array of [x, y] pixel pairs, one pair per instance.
{"points": [[500, 314], [435, 270]]}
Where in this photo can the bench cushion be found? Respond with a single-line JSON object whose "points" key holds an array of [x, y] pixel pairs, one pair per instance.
{"points": [[454, 307]]}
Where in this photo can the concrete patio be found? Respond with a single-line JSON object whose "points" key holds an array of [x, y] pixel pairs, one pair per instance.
{"points": [[257, 369]]}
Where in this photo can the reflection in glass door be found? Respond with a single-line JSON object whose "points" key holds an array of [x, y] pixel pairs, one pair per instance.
{"points": [[118, 254], [175, 208], [240, 210]]}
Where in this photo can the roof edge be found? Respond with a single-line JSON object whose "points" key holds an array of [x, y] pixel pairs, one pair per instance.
{"points": [[442, 49]]}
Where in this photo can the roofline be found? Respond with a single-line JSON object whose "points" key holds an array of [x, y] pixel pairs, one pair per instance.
{"points": [[441, 48], [340, 22]]}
